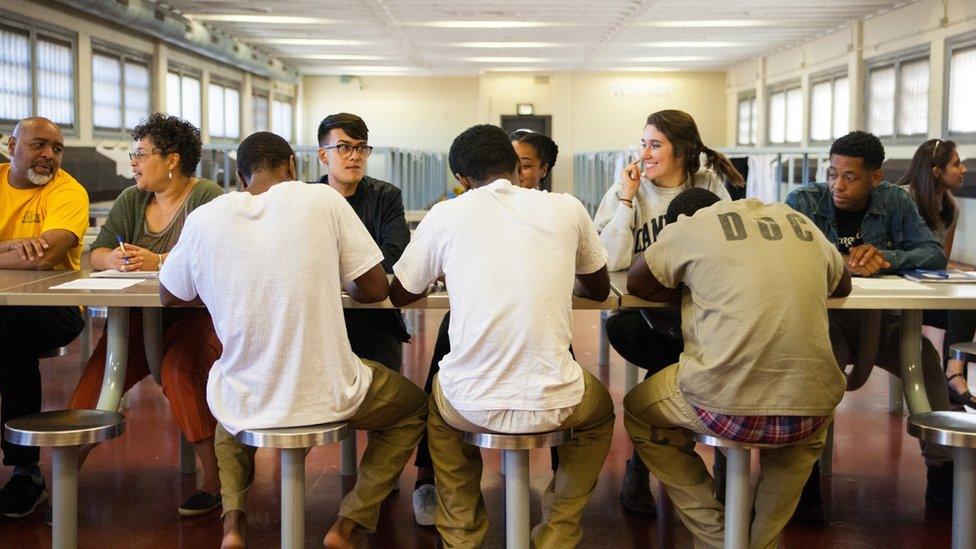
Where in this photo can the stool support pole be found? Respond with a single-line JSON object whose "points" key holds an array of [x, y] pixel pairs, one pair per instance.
{"points": [[188, 457], [292, 498], [516, 499], [631, 376], [347, 455], [64, 533], [603, 348], [738, 504], [964, 498]]}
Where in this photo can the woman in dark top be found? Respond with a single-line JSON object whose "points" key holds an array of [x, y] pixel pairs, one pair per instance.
{"points": [[146, 220], [935, 172]]}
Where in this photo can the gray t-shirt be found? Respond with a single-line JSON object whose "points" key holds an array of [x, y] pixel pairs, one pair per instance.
{"points": [[127, 218], [754, 314]]}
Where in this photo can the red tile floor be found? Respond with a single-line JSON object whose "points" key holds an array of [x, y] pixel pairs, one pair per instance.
{"points": [[130, 487]]}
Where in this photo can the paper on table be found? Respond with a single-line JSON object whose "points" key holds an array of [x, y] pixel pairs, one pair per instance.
{"points": [[97, 284], [112, 273], [888, 283]]}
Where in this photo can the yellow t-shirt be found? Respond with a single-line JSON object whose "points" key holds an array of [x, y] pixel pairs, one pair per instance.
{"points": [[28, 213]]}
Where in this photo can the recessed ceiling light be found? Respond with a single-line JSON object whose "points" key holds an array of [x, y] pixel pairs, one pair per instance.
{"points": [[508, 45], [304, 42], [708, 23], [516, 69], [643, 69], [699, 44], [490, 59], [483, 24], [669, 59], [264, 19], [375, 70], [334, 57]]}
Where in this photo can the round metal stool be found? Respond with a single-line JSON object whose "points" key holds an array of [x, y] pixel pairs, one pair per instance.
{"points": [[65, 431], [965, 352], [738, 503], [54, 353], [515, 457], [958, 431], [293, 442]]}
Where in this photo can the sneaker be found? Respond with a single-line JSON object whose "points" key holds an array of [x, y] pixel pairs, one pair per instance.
{"points": [[635, 493], [199, 504], [21, 496], [425, 504]]}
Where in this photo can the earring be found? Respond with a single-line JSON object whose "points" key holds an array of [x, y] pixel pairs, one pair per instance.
{"points": [[170, 174]]}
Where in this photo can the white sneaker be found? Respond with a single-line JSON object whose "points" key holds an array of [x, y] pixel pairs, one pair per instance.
{"points": [[425, 504]]}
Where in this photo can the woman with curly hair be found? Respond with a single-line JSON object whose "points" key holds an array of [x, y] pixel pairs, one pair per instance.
{"points": [[146, 220], [537, 155]]}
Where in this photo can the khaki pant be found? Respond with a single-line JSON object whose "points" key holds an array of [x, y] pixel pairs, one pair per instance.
{"points": [[660, 422], [394, 412], [461, 517]]}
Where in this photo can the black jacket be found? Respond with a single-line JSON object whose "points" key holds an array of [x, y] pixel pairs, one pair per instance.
{"points": [[379, 206]]}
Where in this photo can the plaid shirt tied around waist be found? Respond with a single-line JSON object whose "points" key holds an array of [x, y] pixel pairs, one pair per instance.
{"points": [[760, 429]]}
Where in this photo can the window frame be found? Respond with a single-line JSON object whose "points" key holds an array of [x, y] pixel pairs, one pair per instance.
{"points": [[184, 71], [41, 30], [896, 60], [291, 123], [953, 44], [266, 94], [784, 87], [224, 84], [753, 119], [108, 49], [827, 76]]}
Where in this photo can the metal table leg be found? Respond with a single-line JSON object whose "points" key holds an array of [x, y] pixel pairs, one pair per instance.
{"points": [[116, 357], [517, 534], [631, 376], [347, 456], [64, 529], [896, 399], [292, 498], [911, 362], [603, 348], [738, 504]]}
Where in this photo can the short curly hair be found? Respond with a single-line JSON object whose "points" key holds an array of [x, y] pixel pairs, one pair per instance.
{"points": [[482, 152], [863, 145], [171, 134], [262, 151]]}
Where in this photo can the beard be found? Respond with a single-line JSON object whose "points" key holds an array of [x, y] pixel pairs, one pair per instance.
{"points": [[38, 179]]}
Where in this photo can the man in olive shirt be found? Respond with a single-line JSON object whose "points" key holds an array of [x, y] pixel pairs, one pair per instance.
{"points": [[343, 150], [43, 216]]}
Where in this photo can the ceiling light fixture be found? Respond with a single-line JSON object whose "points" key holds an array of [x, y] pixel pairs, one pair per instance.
{"points": [[482, 24], [261, 19], [693, 45], [713, 23], [509, 45], [334, 57], [490, 59], [669, 59], [303, 41]]}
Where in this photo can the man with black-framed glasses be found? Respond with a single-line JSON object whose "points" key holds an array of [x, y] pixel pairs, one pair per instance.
{"points": [[343, 149]]}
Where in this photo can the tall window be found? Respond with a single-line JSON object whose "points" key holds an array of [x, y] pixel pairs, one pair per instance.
{"points": [[183, 95], [786, 115], [961, 114], [281, 118], [260, 111], [747, 121], [898, 97], [37, 75], [829, 108], [120, 90], [225, 111]]}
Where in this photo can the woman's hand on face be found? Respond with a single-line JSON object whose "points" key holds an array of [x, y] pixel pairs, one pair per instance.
{"points": [[630, 180]]}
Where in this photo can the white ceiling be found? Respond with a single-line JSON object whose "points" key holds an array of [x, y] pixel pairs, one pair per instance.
{"points": [[438, 37]]}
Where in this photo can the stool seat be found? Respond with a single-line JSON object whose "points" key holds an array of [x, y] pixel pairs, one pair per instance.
{"points": [[64, 428], [53, 353], [965, 351], [304, 436], [527, 441], [714, 440], [956, 429]]}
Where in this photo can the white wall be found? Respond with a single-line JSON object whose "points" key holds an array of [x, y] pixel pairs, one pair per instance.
{"points": [[928, 23], [590, 111]]}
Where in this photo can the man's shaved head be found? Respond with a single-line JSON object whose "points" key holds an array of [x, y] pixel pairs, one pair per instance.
{"points": [[35, 149]]}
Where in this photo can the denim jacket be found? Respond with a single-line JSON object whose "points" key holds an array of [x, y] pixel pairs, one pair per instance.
{"points": [[891, 224]]}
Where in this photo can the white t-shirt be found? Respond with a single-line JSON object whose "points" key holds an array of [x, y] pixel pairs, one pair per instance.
{"points": [[510, 257], [626, 231], [270, 269]]}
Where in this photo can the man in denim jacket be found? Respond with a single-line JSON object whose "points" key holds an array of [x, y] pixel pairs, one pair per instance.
{"points": [[878, 229]]}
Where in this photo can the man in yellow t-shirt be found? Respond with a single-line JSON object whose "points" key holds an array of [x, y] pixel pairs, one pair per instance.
{"points": [[43, 216]]}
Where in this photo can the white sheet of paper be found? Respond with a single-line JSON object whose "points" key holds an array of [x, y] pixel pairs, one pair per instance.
{"points": [[97, 284], [892, 283], [112, 273]]}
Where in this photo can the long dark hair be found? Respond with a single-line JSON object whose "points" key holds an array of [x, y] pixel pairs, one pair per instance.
{"points": [[681, 130], [545, 148], [934, 153]]}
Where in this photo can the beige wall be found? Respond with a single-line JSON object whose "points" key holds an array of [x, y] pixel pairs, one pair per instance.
{"points": [[590, 111]]}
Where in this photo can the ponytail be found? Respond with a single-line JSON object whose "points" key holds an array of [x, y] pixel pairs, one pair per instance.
{"points": [[723, 166]]}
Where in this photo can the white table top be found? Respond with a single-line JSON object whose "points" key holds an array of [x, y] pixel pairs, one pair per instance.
{"points": [[933, 296], [33, 288]]}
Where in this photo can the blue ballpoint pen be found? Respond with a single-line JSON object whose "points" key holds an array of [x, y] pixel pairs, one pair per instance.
{"points": [[931, 273]]}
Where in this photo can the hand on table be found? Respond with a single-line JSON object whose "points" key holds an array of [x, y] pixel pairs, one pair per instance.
{"points": [[134, 258], [29, 249], [866, 260]]}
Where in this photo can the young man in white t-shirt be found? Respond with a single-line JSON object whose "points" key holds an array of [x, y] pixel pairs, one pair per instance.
{"points": [[270, 264], [509, 369]]}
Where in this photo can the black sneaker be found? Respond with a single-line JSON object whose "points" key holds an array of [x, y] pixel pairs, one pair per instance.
{"points": [[199, 503], [635, 494], [21, 496]]}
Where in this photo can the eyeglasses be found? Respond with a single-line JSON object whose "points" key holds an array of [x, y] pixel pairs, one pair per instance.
{"points": [[139, 156], [345, 149]]}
